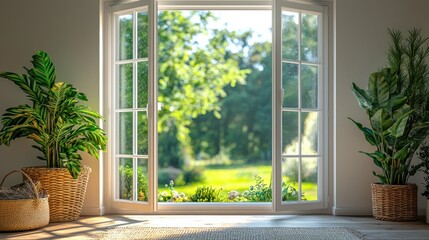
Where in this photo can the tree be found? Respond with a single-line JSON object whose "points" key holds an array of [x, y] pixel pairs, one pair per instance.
{"points": [[191, 78], [244, 129]]}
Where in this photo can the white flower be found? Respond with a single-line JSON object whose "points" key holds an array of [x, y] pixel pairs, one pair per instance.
{"points": [[233, 194]]}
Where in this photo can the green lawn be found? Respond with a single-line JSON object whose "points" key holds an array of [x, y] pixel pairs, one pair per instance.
{"points": [[238, 178]]}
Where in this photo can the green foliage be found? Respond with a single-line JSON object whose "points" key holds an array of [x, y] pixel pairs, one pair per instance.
{"points": [[424, 157], [260, 192], [397, 104], [240, 132], [206, 194], [289, 193], [191, 80], [192, 77], [195, 174], [126, 184], [60, 126]]}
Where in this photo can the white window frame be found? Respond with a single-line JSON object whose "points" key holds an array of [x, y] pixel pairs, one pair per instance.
{"points": [[125, 207], [322, 173], [114, 203]]}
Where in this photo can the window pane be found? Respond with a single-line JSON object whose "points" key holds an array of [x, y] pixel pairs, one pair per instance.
{"points": [[309, 178], [142, 137], [290, 35], [290, 85], [142, 34], [125, 88], [125, 39], [125, 132], [309, 37], [290, 133], [142, 177], [309, 133], [309, 76], [290, 189], [142, 84], [126, 178]]}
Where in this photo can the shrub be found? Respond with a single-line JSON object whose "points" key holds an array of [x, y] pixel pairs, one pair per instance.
{"points": [[260, 192], [206, 194], [194, 174], [126, 184]]}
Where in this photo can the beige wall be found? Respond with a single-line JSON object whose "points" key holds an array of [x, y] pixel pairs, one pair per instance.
{"points": [[69, 32], [361, 45]]}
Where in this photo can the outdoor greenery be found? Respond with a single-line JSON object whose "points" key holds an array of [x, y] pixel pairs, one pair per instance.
{"points": [[126, 183], [55, 120], [214, 88], [397, 104]]}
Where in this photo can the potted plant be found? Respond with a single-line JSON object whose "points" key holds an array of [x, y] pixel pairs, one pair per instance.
{"points": [[397, 104], [61, 128], [424, 157]]}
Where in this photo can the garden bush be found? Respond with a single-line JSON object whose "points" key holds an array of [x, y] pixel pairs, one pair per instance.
{"points": [[126, 184]]}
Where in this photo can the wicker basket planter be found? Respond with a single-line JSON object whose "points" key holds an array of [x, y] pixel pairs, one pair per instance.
{"points": [[66, 195], [394, 202], [24, 214]]}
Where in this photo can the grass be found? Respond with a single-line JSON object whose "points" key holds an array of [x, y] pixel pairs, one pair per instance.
{"points": [[238, 178]]}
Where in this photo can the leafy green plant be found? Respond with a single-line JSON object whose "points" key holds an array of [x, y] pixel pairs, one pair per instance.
{"points": [[260, 192], [289, 193], [206, 194], [56, 120], [424, 157], [126, 184], [397, 104]]}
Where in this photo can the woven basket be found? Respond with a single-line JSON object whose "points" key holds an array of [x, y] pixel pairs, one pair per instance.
{"points": [[66, 193], [23, 214], [394, 202]]}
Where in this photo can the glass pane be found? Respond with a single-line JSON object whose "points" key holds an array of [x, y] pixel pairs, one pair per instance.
{"points": [[125, 88], [309, 133], [309, 76], [290, 85], [309, 178], [290, 35], [142, 137], [309, 37], [142, 84], [125, 40], [290, 189], [126, 178], [125, 133], [142, 177], [290, 133], [142, 34]]}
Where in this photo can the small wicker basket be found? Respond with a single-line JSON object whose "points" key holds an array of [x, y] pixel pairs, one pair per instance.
{"points": [[66, 194], [23, 214], [394, 202]]}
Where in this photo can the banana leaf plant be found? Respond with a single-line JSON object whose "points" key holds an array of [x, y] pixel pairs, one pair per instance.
{"points": [[55, 120], [388, 116]]}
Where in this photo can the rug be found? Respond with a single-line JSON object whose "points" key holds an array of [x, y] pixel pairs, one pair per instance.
{"points": [[230, 233]]}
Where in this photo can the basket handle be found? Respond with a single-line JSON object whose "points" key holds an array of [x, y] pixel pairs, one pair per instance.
{"points": [[36, 193]]}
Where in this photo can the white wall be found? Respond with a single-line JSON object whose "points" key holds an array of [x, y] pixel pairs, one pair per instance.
{"points": [[361, 45], [69, 32]]}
